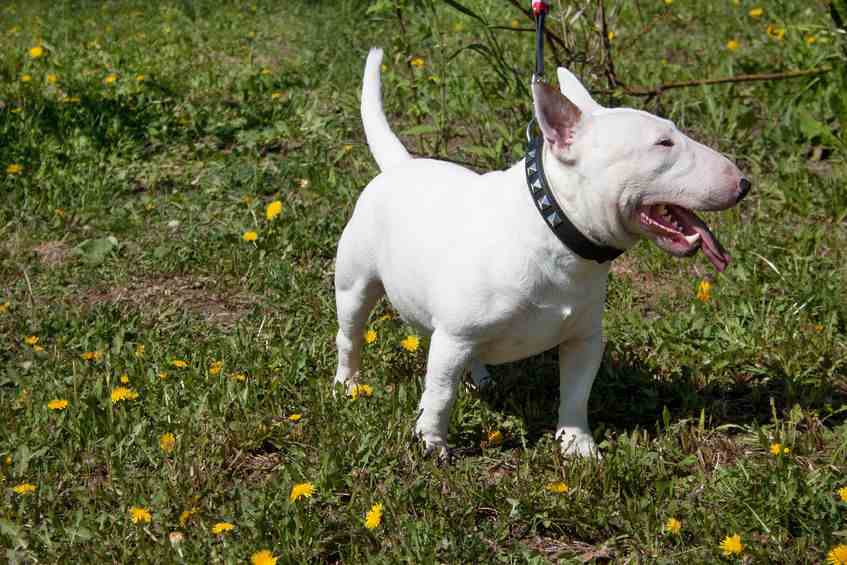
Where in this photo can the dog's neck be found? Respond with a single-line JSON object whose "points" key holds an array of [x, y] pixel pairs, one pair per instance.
{"points": [[597, 218]]}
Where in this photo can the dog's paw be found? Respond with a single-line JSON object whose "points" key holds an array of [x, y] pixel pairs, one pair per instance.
{"points": [[578, 445], [433, 445], [443, 453], [344, 387]]}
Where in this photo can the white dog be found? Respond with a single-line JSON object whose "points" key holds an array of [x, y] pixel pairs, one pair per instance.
{"points": [[470, 259]]}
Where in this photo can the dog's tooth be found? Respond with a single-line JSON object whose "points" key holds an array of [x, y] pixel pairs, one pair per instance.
{"points": [[692, 239]]}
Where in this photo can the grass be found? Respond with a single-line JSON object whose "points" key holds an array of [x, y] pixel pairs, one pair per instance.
{"points": [[122, 237]]}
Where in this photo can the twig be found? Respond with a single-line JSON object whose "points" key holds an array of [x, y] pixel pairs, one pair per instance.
{"points": [[28, 287], [607, 48], [658, 90]]}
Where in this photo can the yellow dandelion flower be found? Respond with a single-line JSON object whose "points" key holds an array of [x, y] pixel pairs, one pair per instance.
{"points": [[123, 393], [179, 363], [163, 376], [347, 147], [611, 35], [495, 438], [733, 44], [140, 78], [222, 528], [273, 210], [24, 489], [14, 169], [731, 545], [777, 32], [91, 355], [704, 291], [110, 79], [139, 515], [776, 448], [250, 236], [361, 390], [265, 72], [837, 555], [295, 417], [558, 487], [373, 518], [668, 2], [842, 494], [124, 379], [139, 350], [756, 12], [26, 78], [276, 95], [7, 460], [57, 404], [673, 525], [186, 515], [418, 62], [238, 377], [167, 441], [52, 79], [263, 557], [36, 52], [31, 339], [411, 343], [515, 24], [370, 336], [810, 39], [786, 450], [216, 367], [4, 307], [301, 490], [384, 317]]}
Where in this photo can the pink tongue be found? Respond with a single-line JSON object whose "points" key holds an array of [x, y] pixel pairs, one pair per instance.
{"points": [[711, 247]]}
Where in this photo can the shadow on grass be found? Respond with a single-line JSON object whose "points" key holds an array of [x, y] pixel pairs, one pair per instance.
{"points": [[627, 395]]}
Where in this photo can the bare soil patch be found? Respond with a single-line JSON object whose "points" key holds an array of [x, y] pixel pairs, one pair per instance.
{"points": [[166, 295]]}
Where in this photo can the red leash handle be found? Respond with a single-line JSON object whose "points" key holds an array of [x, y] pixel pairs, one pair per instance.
{"points": [[540, 7]]}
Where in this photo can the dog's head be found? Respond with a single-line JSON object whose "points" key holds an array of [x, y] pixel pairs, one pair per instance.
{"points": [[623, 174]]}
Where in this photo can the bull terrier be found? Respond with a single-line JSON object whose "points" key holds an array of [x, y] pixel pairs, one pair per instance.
{"points": [[474, 261]]}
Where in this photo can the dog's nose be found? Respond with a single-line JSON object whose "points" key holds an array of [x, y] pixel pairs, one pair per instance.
{"points": [[744, 187]]}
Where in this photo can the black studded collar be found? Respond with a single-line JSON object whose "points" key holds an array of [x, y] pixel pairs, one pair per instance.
{"points": [[553, 214]]}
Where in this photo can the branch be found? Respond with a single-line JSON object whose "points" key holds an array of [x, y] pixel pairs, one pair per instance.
{"points": [[607, 48], [658, 90]]}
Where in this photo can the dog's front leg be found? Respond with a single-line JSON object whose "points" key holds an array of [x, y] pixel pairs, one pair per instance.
{"points": [[447, 360], [579, 361]]}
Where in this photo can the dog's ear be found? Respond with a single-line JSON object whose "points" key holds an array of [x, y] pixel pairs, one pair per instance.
{"points": [[556, 115], [575, 91]]}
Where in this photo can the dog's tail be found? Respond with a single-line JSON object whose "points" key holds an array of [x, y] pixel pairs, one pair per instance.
{"points": [[385, 146]]}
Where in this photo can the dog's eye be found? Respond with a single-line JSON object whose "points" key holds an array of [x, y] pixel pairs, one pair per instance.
{"points": [[666, 142]]}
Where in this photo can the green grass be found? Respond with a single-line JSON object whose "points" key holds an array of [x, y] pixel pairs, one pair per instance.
{"points": [[124, 229]]}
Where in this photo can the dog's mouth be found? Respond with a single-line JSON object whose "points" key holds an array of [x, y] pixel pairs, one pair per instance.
{"points": [[681, 233]]}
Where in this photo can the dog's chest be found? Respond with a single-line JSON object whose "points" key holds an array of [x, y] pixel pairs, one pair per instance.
{"points": [[543, 321]]}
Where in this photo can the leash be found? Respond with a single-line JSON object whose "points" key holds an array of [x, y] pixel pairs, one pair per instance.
{"points": [[539, 10], [545, 202]]}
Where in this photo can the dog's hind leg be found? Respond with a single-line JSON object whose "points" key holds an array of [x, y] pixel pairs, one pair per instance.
{"points": [[353, 303], [479, 374]]}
